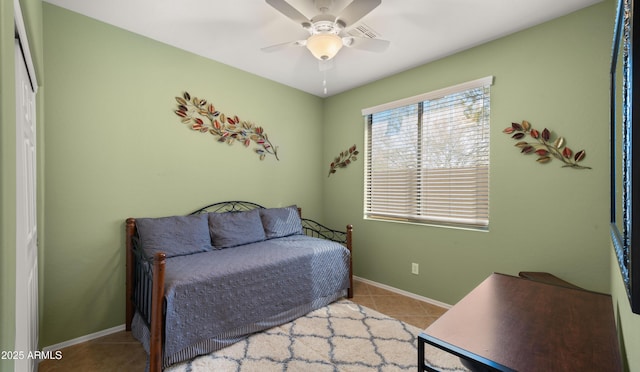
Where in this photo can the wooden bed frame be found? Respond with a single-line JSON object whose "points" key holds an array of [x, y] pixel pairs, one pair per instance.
{"points": [[145, 283]]}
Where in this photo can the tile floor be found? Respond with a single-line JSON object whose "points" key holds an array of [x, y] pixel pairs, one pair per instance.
{"points": [[121, 352]]}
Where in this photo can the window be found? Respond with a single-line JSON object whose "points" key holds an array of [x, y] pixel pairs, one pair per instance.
{"points": [[427, 158]]}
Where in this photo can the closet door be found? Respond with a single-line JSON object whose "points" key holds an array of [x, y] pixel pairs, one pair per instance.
{"points": [[26, 339]]}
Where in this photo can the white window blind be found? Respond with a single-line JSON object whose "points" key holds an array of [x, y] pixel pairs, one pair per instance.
{"points": [[427, 157]]}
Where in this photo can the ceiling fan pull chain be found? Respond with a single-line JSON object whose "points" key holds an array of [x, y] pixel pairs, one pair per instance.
{"points": [[324, 81]]}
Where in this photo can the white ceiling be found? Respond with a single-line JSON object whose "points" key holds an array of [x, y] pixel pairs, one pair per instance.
{"points": [[234, 31]]}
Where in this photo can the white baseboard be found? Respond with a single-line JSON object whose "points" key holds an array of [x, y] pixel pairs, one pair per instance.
{"points": [[404, 293], [85, 338]]}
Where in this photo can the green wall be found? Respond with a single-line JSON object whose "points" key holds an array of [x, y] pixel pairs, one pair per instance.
{"points": [[115, 149], [628, 322], [542, 217]]}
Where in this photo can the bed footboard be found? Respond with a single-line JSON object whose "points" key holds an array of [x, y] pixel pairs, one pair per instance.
{"points": [[315, 229]]}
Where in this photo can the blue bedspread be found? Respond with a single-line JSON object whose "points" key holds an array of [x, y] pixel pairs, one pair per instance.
{"points": [[216, 298]]}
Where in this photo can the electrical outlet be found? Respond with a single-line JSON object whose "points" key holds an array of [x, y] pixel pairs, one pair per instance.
{"points": [[414, 268]]}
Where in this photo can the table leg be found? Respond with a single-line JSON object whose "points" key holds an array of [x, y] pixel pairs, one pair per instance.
{"points": [[422, 367]]}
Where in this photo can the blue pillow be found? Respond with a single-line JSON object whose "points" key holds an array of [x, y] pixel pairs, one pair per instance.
{"points": [[279, 222], [231, 229], [175, 236]]}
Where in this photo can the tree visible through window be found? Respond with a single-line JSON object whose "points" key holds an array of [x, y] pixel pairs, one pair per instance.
{"points": [[427, 158]]}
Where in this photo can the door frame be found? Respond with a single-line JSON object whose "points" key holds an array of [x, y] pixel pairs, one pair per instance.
{"points": [[21, 35]]}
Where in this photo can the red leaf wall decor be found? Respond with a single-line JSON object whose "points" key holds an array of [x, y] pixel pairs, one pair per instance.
{"points": [[203, 117], [543, 146]]}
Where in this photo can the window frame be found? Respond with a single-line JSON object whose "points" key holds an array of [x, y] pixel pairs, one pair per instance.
{"points": [[368, 113]]}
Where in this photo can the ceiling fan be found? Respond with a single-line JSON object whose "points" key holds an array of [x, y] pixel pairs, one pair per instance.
{"points": [[326, 31]]}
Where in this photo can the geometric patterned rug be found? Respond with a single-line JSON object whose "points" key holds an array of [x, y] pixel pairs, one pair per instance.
{"points": [[342, 336]]}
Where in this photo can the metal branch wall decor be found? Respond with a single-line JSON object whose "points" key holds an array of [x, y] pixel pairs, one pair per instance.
{"points": [[543, 146], [203, 117], [343, 160]]}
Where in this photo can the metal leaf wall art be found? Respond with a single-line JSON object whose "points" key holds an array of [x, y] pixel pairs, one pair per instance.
{"points": [[203, 117], [544, 146], [343, 160]]}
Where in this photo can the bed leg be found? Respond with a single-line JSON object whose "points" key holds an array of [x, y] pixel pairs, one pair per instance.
{"points": [[157, 318], [350, 247], [130, 229]]}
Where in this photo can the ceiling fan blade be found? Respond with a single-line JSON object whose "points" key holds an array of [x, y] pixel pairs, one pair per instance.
{"points": [[290, 12], [371, 45], [276, 47], [356, 10]]}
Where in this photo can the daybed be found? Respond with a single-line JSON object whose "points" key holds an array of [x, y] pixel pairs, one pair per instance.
{"points": [[200, 282]]}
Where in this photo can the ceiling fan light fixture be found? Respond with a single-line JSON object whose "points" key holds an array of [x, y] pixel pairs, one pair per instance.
{"points": [[324, 46]]}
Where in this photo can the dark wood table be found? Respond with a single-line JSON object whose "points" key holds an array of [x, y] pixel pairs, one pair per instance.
{"points": [[509, 323]]}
